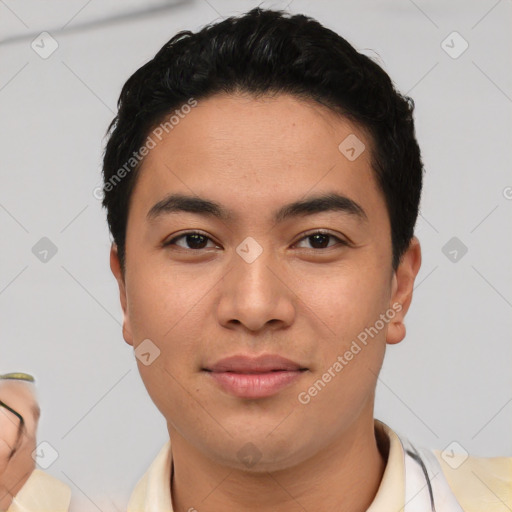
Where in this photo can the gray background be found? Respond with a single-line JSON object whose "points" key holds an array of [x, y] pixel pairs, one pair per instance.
{"points": [[449, 380]]}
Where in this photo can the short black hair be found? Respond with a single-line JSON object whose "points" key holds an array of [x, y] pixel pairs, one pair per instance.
{"points": [[268, 52]]}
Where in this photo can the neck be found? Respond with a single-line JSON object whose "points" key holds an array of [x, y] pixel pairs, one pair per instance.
{"points": [[344, 476]]}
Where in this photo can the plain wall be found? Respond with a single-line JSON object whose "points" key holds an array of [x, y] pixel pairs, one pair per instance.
{"points": [[449, 380]]}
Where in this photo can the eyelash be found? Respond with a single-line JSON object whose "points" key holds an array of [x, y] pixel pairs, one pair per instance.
{"points": [[339, 240]]}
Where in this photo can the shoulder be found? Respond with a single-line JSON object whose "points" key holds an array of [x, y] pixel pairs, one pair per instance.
{"points": [[479, 483], [42, 492]]}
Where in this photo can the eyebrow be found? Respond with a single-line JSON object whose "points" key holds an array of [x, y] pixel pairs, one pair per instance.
{"points": [[329, 202]]}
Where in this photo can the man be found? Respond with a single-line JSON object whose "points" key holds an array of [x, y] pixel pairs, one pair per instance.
{"points": [[262, 183]]}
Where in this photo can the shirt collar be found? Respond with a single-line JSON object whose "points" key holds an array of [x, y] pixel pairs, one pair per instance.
{"points": [[391, 492], [152, 493]]}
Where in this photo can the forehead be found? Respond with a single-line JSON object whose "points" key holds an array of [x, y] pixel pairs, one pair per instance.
{"points": [[230, 125], [269, 149]]}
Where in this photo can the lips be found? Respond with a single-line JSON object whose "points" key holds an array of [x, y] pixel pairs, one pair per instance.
{"points": [[261, 364], [254, 377]]}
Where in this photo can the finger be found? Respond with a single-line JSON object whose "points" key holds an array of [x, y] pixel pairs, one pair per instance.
{"points": [[21, 397], [10, 423], [9, 436]]}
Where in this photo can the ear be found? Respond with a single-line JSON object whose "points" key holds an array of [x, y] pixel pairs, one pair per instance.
{"points": [[402, 287], [115, 266]]}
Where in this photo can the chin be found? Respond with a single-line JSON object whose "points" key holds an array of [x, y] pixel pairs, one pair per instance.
{"points": [[261, 453]]}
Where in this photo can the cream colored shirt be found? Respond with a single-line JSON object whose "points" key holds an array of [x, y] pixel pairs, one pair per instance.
{"points": [[42, 493], [480, 484]]}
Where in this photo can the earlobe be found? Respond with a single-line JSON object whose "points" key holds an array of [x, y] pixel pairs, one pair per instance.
{"points": [[402, 288], [396, 332], [127, 334], [115, 267]]}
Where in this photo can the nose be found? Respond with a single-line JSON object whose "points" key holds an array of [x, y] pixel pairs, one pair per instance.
{"points": [[256, 295]]}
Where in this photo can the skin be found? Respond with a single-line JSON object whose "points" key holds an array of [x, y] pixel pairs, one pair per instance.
{"points": [[14, 473], [297, 300]]}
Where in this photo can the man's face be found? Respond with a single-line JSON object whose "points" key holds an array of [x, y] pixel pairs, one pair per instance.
{"points": [[252, 284]]}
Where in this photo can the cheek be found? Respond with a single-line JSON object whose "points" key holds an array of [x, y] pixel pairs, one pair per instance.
{"points": [[346, 301], [339, 397], [352, 347], [168, 311], [159, 301], [164, 386], [344, 381]]}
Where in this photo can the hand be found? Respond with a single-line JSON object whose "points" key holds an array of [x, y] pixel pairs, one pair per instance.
{"points": [[17, 436]]}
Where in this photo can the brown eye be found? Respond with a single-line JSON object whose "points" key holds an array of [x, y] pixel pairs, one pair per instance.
{"points": [[320, 240], [192, 240]]}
